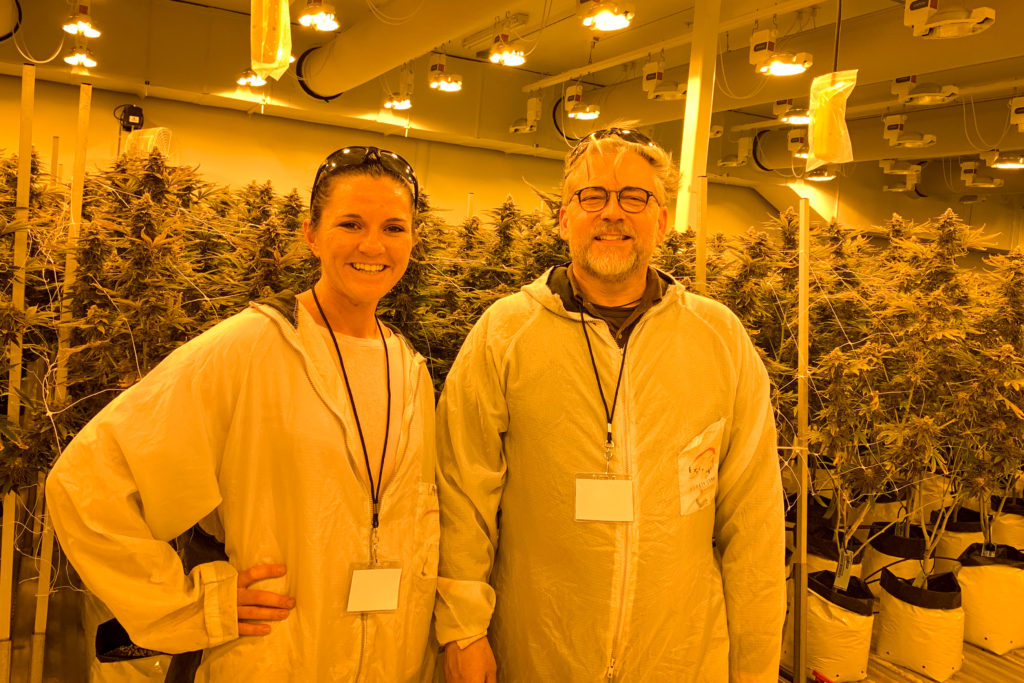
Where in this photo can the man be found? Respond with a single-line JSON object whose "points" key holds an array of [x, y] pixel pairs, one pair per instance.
{"points": [[611, 502]]}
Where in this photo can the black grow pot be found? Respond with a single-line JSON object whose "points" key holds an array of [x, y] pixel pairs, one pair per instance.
{"points": [[1012, 506], [815, 513], [943, 591], [999, 555], [857, 597], [820, 542], [963, 521]]}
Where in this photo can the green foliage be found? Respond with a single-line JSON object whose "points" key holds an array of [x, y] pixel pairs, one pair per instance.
{"points": [[916, 364]]}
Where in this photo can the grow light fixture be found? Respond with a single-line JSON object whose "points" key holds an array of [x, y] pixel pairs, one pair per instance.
{"points": [[402, 99], [439, 79], [1003, 160], [909, 183], [786, 64], [897, 137], [894, 167], [946, 18], [604, 16], [771, 63], [529, 124], [1017, 113], [796, 117], [81, 56], [319, 15], [743, 148], [655, 85], [820, 175], [908, 91], [574, 106], [251, 79], [969, 174], [80, 23], [796, 142], [504, 52]]}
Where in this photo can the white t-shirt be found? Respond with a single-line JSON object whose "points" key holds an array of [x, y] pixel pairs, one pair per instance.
{"points": [[364, 364]]}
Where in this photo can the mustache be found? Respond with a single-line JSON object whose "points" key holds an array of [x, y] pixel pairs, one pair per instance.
{"points": [[613, 226]]}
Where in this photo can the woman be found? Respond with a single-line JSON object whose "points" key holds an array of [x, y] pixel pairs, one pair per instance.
{"points": [[300, 434]]}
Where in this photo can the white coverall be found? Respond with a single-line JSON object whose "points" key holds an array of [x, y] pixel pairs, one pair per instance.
{"points": [[247, 429], [647, 601]]}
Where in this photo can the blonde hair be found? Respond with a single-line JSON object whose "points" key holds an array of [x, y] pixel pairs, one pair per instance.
{"points": [[618, 141]]}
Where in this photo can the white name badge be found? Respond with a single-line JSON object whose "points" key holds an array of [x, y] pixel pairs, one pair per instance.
{"points": [[604, 498], [374, 589]]}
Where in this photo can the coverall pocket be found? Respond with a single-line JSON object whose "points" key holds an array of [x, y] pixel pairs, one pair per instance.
{"points": [[698, 469], [428, 528]]}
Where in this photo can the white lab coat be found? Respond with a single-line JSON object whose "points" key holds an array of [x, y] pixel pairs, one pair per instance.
{"points": [[647, 601], [247, 430]]}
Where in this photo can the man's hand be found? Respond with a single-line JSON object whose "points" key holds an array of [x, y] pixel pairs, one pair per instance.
{"points": [[474, 664], [256, 605]]}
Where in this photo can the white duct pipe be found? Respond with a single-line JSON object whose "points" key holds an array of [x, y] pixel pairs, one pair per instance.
{"points": [[370, 48], [961, 130]]}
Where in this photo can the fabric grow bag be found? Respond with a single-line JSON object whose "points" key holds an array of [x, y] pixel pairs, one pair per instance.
{"points": [[993, 597], [888, 547], [1008, 528], [921, 629], [838, 629], [960, 533]]}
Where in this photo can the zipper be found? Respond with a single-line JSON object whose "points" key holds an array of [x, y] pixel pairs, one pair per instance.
{"points": [[610, 672], [362, 646]]}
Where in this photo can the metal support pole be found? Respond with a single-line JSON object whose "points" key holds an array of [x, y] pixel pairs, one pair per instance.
{"points": [[700, 90], [28, 95], [42, 601], [800, 563], [55, 161], [77, 189], [701, 237]]}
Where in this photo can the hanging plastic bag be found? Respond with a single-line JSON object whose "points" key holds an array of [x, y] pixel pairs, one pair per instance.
{"points": [[270, 40], [828, 138]]}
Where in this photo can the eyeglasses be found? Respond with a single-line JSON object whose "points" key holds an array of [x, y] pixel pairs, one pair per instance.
{"points": [[367, 156], [631, 199], [627, 134]]}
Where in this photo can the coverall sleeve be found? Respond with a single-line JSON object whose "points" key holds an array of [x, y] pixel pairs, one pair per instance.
{"points": [[749, 525], [472, 417], [140, 473]]}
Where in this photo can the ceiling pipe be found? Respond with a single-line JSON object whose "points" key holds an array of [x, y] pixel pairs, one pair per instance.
{"points": [[371, 48], [730, 23], [893, 106], [954, 138]]}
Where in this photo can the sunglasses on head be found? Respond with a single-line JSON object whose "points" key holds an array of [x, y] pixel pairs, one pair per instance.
{"points": [[627, 134], [349, 157]]}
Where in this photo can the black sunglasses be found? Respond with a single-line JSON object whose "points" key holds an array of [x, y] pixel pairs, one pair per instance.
{"points": [[367, 156], [627, 134]]}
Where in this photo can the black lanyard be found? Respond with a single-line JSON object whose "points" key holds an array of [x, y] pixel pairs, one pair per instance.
{"points": [[609, 414], [374, 491]]}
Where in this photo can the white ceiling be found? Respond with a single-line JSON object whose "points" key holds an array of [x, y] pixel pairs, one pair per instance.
{"points": [[191, 50]]}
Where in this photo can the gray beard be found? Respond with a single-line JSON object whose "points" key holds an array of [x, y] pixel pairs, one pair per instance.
{"points": [[611, 270]]}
